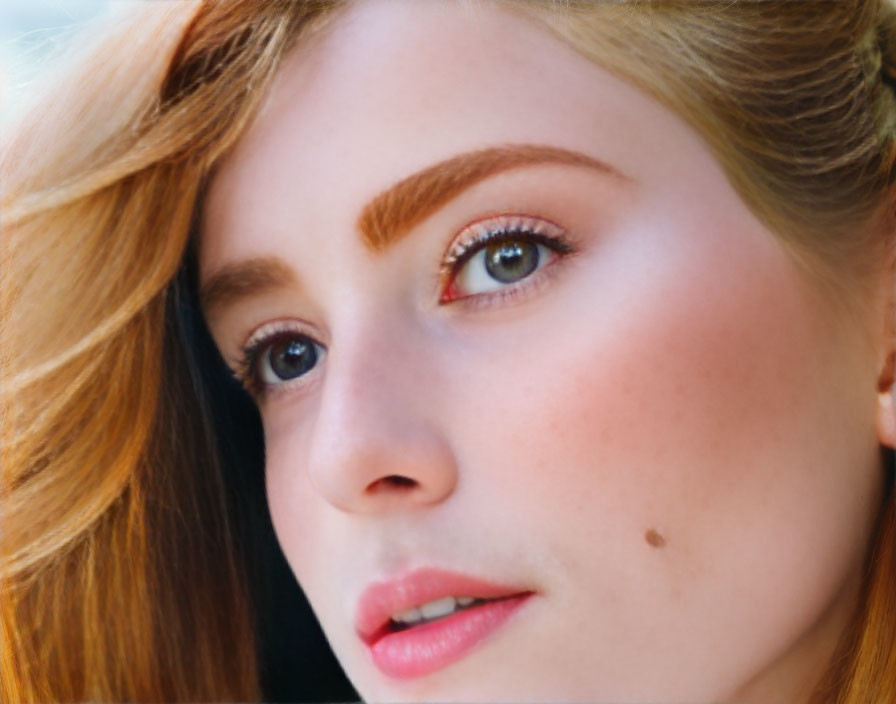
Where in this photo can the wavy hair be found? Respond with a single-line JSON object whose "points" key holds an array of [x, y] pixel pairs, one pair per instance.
{"points": [[126, 543]]}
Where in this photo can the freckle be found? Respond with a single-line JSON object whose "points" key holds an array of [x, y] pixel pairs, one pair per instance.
{"points": [[654, 539]]}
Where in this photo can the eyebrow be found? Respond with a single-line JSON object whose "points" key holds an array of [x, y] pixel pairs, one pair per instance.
{"points": [[243, 279], [395, 212]]}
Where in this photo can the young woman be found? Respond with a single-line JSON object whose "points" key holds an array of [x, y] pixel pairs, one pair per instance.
{"points": [[569, 330]]}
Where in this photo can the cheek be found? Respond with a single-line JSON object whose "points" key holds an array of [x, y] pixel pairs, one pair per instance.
{"points": [[306, 526], [664, 437], [653, 385], [676, 439]]}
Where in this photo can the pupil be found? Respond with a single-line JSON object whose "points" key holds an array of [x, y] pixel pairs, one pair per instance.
{"points": [[292, 358], [510, 261]]}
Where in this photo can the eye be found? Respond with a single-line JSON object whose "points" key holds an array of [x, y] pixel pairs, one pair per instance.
{"points": [[500, 253], [499, 264], [276, 356], [287, 358]]}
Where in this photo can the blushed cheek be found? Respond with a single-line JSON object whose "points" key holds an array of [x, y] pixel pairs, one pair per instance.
{"points": [[659, 388], [652, 440], [687, 405]]}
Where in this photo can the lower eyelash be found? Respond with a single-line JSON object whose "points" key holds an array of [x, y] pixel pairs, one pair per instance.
{"points": [[514, 293]]}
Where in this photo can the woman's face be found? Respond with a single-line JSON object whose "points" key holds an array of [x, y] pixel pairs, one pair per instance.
{"points": [[559, 356]]}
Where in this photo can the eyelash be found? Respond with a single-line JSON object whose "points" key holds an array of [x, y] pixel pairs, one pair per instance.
{"points": [[246, 366], [471, 240], [479, 235]]}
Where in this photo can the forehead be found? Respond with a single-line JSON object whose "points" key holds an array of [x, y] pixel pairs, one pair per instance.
{"points": [[393, 86]]}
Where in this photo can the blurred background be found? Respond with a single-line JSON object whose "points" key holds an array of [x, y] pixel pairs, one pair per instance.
{"points": [[30, 32]]}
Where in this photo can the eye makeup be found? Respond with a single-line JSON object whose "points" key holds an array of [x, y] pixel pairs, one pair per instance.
{"points": [[517, 233], [504, 256]]}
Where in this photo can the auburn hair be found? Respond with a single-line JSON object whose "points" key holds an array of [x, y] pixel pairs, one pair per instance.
{"points": [[125, 546]]}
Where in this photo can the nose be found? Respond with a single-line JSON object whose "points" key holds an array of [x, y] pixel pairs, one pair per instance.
{"points": [[376, 444]]}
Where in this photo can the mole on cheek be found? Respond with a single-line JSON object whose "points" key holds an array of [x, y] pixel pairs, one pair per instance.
{"points": [[654, 539]]}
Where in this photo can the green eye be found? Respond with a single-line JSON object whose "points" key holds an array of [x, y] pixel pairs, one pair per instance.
{"points": [[499, 253], [509, 261], [498, 264]]}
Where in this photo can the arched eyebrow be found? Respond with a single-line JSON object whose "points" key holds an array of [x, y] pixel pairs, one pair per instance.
{"points": [[396, 211]]}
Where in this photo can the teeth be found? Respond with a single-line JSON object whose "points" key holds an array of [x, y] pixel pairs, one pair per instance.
{"points": [[433, 609], [409, 616], [440, 607]]}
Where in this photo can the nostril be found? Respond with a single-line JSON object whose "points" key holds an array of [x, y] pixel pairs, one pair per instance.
{"points": [[398, 480], [395, 480]]}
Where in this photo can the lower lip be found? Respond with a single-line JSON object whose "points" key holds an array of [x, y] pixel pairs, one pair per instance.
{"points": [[424, 649]]}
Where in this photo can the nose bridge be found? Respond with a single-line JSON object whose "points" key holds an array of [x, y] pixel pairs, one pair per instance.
{"points": [[375, 446]]}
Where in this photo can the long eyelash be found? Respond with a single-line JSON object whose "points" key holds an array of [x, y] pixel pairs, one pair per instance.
{"points": [[246, 367], [464, 252]]}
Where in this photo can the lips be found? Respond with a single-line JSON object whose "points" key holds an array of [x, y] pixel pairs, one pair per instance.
{"points": [[382, 599]]}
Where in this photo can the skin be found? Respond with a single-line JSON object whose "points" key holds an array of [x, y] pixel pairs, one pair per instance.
{"points": [[669, 434]]}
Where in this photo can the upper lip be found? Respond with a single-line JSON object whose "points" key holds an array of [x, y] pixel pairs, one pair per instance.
{"points": [[382, 599]]}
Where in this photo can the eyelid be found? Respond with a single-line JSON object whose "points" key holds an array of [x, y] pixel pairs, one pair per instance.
{"points": [[489, 227], [273, 327]]}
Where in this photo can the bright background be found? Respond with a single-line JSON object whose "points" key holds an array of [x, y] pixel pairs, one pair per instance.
{"points": [[30, 30]]}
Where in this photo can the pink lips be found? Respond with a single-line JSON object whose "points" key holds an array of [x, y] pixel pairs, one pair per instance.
{"points": [[422, 649]]}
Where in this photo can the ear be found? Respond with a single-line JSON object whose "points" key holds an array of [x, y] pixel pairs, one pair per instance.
{"points": [[886, 403], [886, 389]]}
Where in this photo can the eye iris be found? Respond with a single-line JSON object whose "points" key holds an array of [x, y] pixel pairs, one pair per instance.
{"points": [[292, 357], [511, 260]]}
